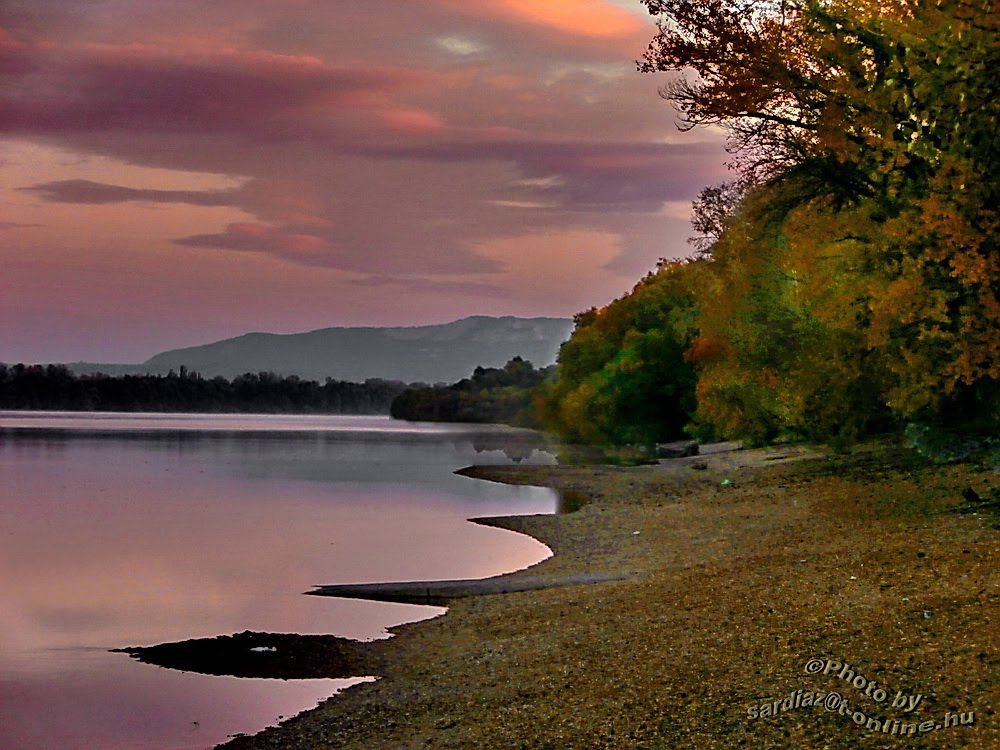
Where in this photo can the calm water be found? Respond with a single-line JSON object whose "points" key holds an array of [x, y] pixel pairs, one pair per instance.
{"points": [[123, 530]]}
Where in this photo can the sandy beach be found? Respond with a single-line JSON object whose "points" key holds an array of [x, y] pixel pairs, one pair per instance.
{"points": [[813, 601]]}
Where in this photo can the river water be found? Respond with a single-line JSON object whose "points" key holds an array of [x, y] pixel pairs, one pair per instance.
{"points": [[122, 530]]}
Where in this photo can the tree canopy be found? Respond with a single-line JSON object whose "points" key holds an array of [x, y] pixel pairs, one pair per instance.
{"points": [[850, 281], [622, 376]]}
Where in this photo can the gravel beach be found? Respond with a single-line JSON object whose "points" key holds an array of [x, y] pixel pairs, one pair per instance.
{"points": [[747, 606]]}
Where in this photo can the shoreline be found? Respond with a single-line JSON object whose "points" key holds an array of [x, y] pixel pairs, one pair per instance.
{"points": [[731, 590]]}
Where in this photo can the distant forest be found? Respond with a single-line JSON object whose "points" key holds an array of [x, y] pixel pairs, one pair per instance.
{"points": [[54, 387], [505, 395]]}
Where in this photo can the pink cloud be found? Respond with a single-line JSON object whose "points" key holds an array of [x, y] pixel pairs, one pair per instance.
{"points": [[95, 88], [13, 57], [594, 19], [255, 237], [290, 243], [588, 176], [594, 26], [307, 220], [412, 121], [8, 44]]}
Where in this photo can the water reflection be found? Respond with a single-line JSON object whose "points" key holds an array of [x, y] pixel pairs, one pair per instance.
{"points": [[139, 536]]}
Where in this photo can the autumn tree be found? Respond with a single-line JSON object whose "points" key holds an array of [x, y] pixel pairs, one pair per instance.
{"points": [[865, 258]]}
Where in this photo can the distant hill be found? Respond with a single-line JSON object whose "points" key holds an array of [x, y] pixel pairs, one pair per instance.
{"points": [[431, 354]]}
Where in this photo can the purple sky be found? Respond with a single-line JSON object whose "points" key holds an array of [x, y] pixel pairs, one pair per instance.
{"points": [[176, 171]]}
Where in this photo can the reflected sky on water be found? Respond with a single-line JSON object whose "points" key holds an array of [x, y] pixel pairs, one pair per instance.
{"points": [[138, 529]]}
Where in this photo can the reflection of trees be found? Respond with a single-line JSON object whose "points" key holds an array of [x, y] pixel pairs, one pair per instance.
{"points": [[516, 447]]}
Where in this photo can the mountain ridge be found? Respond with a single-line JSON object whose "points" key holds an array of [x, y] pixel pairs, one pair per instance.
{"points": [[444, 352]]}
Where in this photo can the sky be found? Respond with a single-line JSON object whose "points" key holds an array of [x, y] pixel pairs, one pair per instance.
{"points": [[179, 171]]}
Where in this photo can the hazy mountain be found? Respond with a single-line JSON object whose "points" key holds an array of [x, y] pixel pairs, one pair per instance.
{"points": [[431, 354]]}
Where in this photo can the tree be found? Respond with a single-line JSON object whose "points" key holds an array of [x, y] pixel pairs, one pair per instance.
{"points": [[876, 122], [714, 210], [622, 376]]}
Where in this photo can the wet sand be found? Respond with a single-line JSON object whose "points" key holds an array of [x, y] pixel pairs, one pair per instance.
{"points": [[731, 592]]}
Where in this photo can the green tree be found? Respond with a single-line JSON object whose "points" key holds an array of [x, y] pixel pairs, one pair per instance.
{"points": [[622, 376]]}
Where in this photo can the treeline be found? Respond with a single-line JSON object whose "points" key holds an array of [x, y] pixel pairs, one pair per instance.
{"points": [[55, 387], [846, 282], [500, 395]]}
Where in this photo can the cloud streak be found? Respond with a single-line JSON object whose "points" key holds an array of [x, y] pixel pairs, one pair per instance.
{"points": [[97, 193], [254, 94]]}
